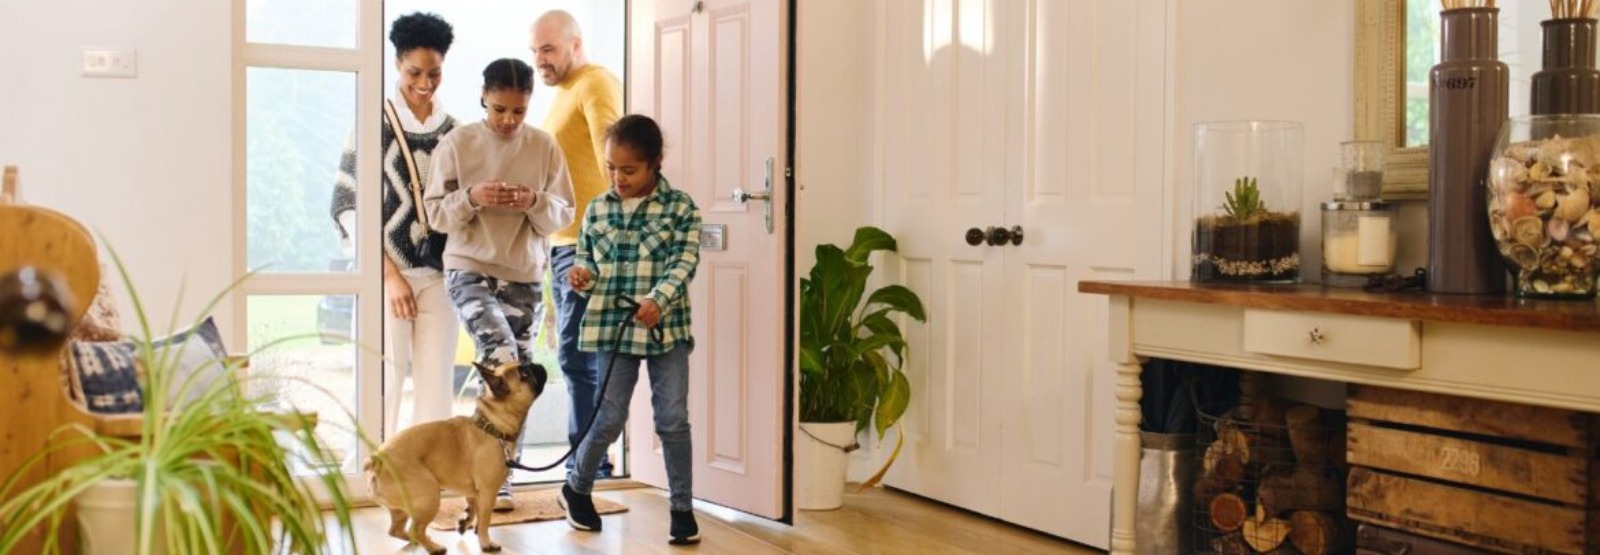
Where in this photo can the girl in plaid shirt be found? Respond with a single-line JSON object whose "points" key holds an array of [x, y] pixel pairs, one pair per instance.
{"points": [[641, 239]]}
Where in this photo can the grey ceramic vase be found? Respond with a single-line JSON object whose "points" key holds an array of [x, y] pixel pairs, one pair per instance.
{"points": [[1569, 82], [1467, 105]]}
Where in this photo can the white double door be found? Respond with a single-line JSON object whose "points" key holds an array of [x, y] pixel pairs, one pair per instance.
{"points": [[1045, 115]]}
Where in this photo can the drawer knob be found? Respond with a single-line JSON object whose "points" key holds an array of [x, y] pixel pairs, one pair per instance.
{"points": [[1316, 336]]}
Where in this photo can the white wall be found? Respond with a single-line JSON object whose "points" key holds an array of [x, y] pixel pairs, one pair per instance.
{"points": [[145, 162], [833, 126], [834, 135], [1249, 59]]}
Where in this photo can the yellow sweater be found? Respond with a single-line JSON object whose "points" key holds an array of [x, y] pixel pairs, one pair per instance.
{"points": [[587, 103]]}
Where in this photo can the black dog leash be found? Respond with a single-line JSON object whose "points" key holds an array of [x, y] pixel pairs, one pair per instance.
{"points": [[656, 335]]}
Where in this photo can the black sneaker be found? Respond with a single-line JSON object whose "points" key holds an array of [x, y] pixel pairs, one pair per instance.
{"points": [[580, 510], [684, 529]]}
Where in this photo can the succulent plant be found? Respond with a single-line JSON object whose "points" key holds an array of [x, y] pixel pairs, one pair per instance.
{"points": [[1245, 200]]}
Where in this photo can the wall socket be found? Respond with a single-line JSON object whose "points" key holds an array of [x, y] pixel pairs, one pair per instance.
{"points": [[110, 62]]}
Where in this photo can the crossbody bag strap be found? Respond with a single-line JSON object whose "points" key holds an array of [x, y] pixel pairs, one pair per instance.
{"points": [[411, 163]]}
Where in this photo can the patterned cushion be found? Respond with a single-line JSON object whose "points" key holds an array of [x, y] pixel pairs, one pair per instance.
{"points": [[108, 374], [99, 323], [111, 378]]}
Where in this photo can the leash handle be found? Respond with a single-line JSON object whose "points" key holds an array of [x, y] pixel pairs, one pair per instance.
{"points": [[625, 302]]}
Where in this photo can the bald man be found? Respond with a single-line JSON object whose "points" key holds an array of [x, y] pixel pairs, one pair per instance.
{"points": [[588, 100]]}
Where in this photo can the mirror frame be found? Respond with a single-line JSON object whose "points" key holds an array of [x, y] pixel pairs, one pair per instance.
{"points": [[1379, 107]]}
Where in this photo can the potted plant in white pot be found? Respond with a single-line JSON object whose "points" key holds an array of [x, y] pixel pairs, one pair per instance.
{"points": [[851, 352], [213, 476]]}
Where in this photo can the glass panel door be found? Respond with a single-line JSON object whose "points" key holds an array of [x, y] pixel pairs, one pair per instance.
{"points": [[306, 125]]}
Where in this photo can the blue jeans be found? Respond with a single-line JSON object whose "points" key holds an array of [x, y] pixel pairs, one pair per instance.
{"points": [[669, 396], [581, 369]]}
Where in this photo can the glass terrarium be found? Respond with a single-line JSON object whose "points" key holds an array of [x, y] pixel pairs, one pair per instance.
{"points": [[1544, 203], [1247, 202]]}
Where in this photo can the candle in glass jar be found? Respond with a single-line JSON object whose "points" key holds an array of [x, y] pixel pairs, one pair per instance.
{"points": [[1358, 240]]}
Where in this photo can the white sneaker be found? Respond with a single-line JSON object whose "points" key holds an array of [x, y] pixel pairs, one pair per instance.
{"points": [[502, 500]]}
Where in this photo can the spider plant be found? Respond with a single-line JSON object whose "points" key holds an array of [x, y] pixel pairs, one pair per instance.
{"points": [[212, 477]]}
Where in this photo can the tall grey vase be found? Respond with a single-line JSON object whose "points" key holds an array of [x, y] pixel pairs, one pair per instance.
{"points": [[1569, 82], [1466, 108]]}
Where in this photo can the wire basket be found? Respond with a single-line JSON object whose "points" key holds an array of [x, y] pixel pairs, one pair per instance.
{"points": [[1261, 478]]}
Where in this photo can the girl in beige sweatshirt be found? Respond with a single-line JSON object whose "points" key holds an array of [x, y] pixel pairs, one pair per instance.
{"points": [[499, 188]]}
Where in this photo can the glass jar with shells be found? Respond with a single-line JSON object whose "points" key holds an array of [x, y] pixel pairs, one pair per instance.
{"points": [[1544, 204]]}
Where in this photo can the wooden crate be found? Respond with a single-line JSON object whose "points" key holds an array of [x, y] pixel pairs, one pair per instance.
{"points": [[1503, 477], [1376, 540]]}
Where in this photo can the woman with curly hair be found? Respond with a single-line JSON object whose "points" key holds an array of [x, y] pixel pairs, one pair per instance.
{"points": [[419, 323]]}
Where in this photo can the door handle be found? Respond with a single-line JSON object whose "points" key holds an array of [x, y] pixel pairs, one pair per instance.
{"points": [[975, 236], [998, 236], [995, 236], [742, 196]]}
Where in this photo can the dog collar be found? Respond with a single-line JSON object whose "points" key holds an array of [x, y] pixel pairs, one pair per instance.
{"points": [[483, 424]]}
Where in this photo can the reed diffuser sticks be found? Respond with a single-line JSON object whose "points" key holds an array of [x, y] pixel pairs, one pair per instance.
{"points": [[1459, 4], [1572, 9]]}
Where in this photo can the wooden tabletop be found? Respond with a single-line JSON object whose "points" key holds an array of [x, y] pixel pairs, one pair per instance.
{"points": [[1494, 310]]}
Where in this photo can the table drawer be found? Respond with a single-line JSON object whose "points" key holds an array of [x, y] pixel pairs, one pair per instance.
{"points": [[1364, 340]]}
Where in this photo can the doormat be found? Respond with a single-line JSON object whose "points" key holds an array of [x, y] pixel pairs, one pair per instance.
{"points": [[530, 506]]}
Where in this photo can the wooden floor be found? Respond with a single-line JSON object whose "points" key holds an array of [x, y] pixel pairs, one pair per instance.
{"points": [[877, 522]]}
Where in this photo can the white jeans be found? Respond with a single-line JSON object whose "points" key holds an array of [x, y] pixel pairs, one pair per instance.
{"points": [[425, 349]]}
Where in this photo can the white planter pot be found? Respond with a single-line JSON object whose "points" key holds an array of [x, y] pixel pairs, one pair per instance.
{"points": [[106, 519], [820, 468]]}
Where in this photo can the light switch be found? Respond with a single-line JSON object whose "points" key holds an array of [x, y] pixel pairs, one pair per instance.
{"points": [[110, 62]]}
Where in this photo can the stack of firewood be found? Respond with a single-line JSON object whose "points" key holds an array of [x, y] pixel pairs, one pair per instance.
{"points": [[1275, 483]]}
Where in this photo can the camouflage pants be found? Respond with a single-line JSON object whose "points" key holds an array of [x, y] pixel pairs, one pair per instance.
{"points": [[500, 315]]}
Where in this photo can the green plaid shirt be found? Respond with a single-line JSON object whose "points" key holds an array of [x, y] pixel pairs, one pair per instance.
{"points": [[648, 254]]}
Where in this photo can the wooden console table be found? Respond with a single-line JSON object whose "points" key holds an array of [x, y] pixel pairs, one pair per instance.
{"points": [[1489, 347]]}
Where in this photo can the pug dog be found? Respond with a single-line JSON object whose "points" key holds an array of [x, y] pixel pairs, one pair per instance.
{"points": [[465, 455]]}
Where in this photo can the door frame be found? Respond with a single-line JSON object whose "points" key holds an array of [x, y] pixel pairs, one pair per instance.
{"points": [[791, 312]]}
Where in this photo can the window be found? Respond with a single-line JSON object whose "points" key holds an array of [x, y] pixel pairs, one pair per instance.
{"points": [[307, 87]]}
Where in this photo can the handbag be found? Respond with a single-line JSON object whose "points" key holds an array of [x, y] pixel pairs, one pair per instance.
{"points": [[431, 250]]}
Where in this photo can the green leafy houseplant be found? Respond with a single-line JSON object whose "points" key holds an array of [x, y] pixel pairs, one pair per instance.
{"points": [[1245, 200], [851, 350], [214, 476]]}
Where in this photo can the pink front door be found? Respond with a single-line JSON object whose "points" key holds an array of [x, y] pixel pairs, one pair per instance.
{"points": [[710, 72]]}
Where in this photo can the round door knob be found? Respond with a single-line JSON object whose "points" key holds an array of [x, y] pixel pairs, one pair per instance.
{"points": [[999, 236], [974, 236], [1016, 235]]}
